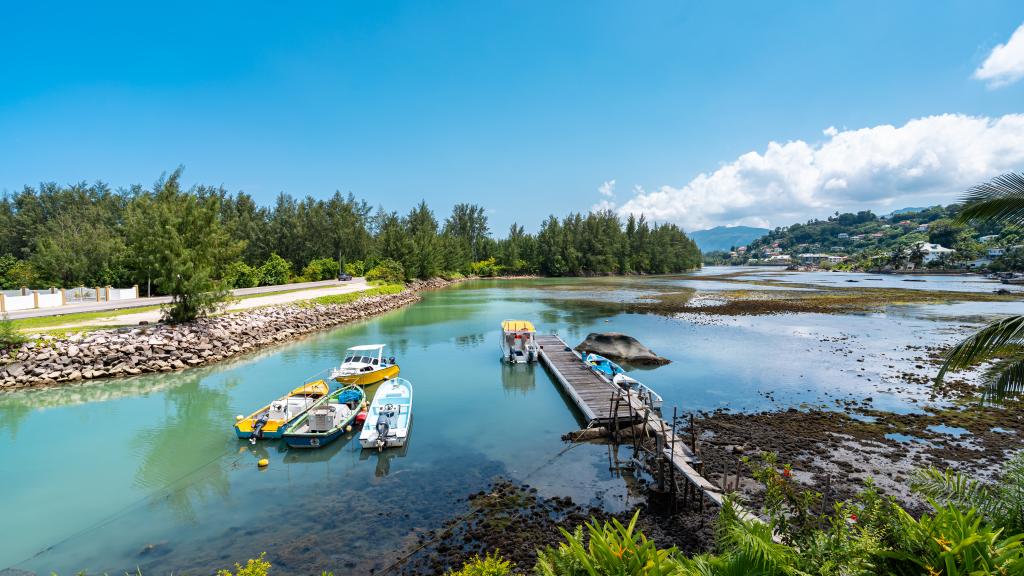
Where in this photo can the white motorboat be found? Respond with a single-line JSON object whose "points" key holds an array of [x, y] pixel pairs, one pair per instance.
{"points": [[365, 365], [518, 341], [389, 417], [643, 392]]}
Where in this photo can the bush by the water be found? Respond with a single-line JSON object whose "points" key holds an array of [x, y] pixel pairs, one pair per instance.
{"points": [[485, 268], [388, 271]]}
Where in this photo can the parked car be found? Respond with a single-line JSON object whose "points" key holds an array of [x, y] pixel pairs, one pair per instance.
{"points": [[344, 277]]}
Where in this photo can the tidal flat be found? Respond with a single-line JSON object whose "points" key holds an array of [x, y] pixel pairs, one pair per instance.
{"points": [[145, 471]]}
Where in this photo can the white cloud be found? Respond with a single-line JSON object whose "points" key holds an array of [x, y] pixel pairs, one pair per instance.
{"points": [[1005, 64], [607, 189], [926, 161], [603, 205]]}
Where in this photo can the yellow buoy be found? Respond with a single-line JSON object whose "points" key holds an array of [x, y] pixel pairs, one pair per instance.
{"points": [[263, 463], [348, 428]]}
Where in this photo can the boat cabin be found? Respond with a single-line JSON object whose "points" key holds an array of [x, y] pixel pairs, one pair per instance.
{"points": [[519, 341]]}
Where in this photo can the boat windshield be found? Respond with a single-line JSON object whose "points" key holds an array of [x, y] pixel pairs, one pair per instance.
{"points": [[362, 359]]}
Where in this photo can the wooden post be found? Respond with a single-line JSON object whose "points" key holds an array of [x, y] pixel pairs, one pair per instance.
{"points": [[63, 297], [35, 299], [135, 287], [24, 290], [97, 293], [3, 303], [107, 289]]}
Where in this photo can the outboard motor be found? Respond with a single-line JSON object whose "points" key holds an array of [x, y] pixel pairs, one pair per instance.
{"points": [[382, 431], [257, 427]]}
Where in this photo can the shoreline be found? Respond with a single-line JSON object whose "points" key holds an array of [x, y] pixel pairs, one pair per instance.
{"points": [[156, 348]]}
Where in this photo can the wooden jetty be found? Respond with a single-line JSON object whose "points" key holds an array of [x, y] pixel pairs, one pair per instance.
{"points": [[604, 404], [600, 401]]}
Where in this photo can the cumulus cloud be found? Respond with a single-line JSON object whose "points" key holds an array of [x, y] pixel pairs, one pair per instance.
{"points": [[924, 162], [607, 189], [1005, 64]]}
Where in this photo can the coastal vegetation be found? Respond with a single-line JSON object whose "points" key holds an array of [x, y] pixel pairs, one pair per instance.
{"points": [[194, 244]]}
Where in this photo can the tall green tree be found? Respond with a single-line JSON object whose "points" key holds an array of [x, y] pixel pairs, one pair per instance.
{"points": [[180, 236]]}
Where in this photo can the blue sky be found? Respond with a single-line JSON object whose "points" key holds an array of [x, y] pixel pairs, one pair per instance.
{"points": [[524, 107]]}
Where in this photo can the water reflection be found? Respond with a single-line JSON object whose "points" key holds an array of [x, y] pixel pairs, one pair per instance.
{"points": [[195, 416], [517, 378], [384, 457]]}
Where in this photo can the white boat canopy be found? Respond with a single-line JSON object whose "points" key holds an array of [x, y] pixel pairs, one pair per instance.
{"points": [[368, 347]]}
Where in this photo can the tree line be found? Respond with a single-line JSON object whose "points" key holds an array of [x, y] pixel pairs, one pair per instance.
{"points": [[90, 234]]}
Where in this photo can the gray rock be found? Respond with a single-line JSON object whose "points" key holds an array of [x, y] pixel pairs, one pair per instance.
{"points": [[618, 346]]}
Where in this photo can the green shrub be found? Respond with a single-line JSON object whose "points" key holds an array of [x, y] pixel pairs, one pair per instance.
{"points": [[274, 271], [10, 337], [452, 275], [387, 271], [16, 273], [489, 565], [610, 548], [254, 567], [485, 268], [240, 275], [321, 269], [357, 268]]}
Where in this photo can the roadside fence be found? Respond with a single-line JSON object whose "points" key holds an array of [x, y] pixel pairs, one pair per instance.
{"points": [[25, 299]]}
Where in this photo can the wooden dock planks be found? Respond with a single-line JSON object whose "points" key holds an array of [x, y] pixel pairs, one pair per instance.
{"points": [[591, 393]]}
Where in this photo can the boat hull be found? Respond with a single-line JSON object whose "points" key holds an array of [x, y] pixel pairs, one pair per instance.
{"points": [[368, 378], [313, 440], [275, 427]]}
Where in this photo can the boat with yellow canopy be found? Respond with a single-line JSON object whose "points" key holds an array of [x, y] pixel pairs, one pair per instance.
{"points": [[518, 341], [365, 365], [271, 420]]}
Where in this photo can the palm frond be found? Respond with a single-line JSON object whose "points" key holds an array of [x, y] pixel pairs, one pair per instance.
{"points": [[1001, 199], [984, 344], [951, 487], [1004, 377], [751, 543]]}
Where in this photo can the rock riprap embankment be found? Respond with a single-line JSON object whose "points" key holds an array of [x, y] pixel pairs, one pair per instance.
{"points": [[165, 347], [620, 347]]}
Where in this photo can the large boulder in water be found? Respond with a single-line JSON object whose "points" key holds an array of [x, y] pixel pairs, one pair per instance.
{"points": [[618, 346]]}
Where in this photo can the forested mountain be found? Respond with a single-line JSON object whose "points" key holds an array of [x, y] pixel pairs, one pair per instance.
{"points": [[93, 235], [725, 238]]}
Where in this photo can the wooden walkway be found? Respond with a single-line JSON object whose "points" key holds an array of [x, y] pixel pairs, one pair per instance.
{"points": [[593, 394]]}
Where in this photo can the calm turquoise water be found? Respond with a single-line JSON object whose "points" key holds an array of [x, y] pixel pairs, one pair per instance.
{"points": [[147, 472]]}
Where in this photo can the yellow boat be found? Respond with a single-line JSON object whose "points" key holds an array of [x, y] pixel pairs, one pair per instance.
{"points": [[518, 341], [365, 365], [271, 420]]}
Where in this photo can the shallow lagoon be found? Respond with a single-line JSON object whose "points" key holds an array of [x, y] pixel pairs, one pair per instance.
{"points": [[146, 472]]}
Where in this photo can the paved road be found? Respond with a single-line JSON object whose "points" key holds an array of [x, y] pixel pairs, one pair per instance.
{"points": [[157, 300]]}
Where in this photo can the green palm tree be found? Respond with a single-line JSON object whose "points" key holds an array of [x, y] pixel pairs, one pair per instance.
{"points": [[1000, 200]]}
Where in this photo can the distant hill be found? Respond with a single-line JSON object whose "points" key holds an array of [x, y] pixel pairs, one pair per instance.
{"points": [[904, 211], [725, 237]]}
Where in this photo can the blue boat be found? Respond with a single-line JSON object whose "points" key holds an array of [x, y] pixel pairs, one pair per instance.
{"points": [[603, 365], [327, 420]]}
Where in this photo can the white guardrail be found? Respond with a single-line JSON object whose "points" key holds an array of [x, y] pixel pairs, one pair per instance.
{"points": [[25, 299]]}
